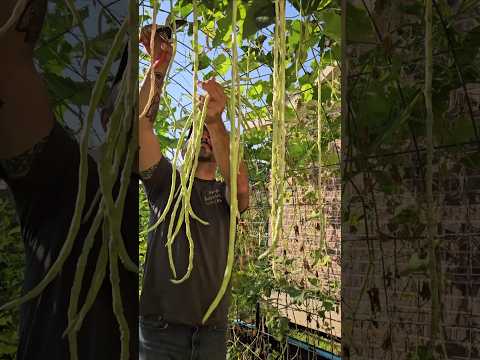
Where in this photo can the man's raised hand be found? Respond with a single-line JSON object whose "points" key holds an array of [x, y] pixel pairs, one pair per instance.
{"points": [[163, 49], [217, 102]]}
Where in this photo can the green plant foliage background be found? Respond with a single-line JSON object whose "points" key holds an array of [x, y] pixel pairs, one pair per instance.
{"points": [[11, 274]]}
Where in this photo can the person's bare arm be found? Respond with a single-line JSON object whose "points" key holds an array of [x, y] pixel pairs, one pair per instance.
{"points": [[25, 113], [150, 153], [221, 142]]}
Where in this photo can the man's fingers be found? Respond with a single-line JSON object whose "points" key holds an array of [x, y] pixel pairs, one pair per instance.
{"points": [[214, 89], [160, 43]]}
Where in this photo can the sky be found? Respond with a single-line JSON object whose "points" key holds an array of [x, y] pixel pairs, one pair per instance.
{"points": [[181, 81]]}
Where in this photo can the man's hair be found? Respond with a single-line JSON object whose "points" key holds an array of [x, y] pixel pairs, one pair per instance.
{"points": [[122, 66], [112, 94], [190, 131], [31, 20]]}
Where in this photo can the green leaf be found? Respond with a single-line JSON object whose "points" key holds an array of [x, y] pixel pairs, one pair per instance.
{"points": [[359, 27], [394, 125], [261, 13], [256, 91], [309, 7], [307, 92], [74, 92], [333, 24], [222, 64], [203, 61]]}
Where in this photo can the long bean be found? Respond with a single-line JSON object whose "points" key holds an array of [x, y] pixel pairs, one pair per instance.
{"points": [[433, 266], [13, 19], [319, 147], [188, 211], [235, 123], [117, 300], [77, 282], [278, 136]]}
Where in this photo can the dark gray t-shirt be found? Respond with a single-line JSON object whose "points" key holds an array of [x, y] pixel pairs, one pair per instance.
{"points": [[186, 303], [44, 183]]}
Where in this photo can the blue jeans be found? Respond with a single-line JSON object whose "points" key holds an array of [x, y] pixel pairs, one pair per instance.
{"points": [[166, 341]]}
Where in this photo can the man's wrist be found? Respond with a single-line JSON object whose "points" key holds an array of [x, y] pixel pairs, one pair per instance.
{"points": [[213, 121], [159, 78]]}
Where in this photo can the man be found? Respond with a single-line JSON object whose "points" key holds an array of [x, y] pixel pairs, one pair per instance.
{"points": [[171, 314], [39, 161]]}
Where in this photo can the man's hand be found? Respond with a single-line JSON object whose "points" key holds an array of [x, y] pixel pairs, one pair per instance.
{"points": [[150, 153], [221, 142], [163, 50], [217, 102]]}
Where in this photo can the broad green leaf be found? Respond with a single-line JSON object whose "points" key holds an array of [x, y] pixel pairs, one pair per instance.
{"points": [[332, 24], [203, 61], [261, 13]]}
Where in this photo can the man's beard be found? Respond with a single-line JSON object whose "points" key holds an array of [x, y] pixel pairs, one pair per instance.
{"points": [[205, 156]]}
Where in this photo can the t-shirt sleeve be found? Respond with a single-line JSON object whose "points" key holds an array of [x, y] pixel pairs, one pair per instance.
{"points": [[226, 196], [157, 180], [47, 163]]}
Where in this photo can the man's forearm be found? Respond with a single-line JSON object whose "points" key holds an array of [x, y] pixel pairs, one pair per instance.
{"points": [[21, 126], [150, 110], [149, 152]]}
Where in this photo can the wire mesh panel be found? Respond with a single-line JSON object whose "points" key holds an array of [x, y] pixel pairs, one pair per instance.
{"points": [[409, 275]]}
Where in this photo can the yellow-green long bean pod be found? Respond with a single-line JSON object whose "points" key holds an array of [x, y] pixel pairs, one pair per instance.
{"points": [[235, 123], [107, 174], [172, 236], [186, 198], [117, 300], [152, 51], [76, 319], [116, 245], [77, 282], [185, 192], [78, 21], [319, 147], [178, 150], [198, 130], [278, 141], [188, 170], [13, 19]]}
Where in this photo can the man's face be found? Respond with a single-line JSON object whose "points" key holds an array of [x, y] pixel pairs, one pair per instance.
{"points": [[206, 150]]}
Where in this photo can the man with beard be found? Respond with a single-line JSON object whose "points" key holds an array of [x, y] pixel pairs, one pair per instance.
{"points": [[39, 161], [171, 314]]}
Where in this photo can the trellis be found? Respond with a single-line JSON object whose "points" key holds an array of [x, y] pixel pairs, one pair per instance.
{"points": [[262, 118]]}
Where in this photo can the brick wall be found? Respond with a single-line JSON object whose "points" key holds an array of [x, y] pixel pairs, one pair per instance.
{"points": [[302, 230], [386, 300], [386, 280], [302, 238]]}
